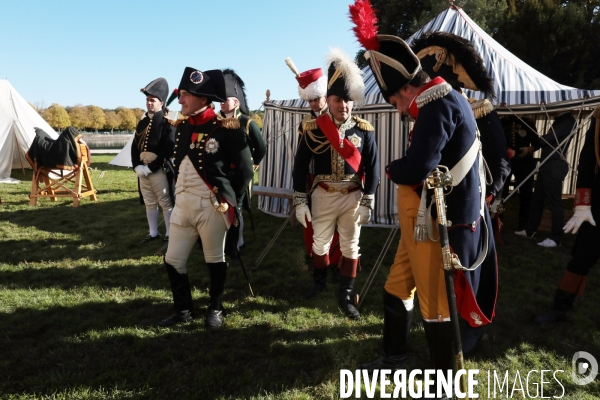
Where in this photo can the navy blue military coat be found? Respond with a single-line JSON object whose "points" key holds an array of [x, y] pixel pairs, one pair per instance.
{"points": [[443, 132], [160, 140], [314, 146]]}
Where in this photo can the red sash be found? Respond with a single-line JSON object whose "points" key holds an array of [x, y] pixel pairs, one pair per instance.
{"points": [[349, 152]]}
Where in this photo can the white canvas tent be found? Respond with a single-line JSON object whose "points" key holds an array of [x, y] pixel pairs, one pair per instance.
{"points": [[123, 159], [17, 122], [519, 88]]}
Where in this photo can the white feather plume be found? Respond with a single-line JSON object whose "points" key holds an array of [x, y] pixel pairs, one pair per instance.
{"points": [[355, 86], [291, 65]]}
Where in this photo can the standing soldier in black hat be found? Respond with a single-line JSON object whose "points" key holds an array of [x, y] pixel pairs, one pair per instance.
{"points": [[213, 166], [444, 133], [151, 150], [346, 175], [235, 114]]}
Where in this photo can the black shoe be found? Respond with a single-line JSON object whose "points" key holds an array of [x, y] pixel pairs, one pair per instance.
{"points": [[386, 362], [178, 318], [214, 319], [346, 297], [149, 238]]}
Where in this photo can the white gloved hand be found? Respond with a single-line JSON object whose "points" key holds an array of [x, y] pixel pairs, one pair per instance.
{"points": [[139, 170], [582, 214], [364, 215], [303, 214], [147, 170]]}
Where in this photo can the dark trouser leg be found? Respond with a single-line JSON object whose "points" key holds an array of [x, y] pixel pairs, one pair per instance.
{"points": [[537, 205], [396, 329], [320, 264], [218, 273], [586, 253], [182, 298], [439, 339], [345, 294], [521, 170], [554, 176]]}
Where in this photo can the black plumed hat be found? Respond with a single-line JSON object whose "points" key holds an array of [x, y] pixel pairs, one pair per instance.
{"points": [[234, 87], [209, 84], [344, 78], [158, 88], [455, 59]]}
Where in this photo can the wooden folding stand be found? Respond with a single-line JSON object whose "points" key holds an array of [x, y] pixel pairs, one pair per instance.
{"points": [[55, 182]]}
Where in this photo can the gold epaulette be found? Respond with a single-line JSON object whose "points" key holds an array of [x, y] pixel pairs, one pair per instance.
{"points": [[363, 124], [481, 108], [309, 124], [230, 123], [176, 122]]}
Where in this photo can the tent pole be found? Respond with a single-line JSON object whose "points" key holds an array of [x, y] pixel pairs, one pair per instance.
{"points": [[16, 141]]}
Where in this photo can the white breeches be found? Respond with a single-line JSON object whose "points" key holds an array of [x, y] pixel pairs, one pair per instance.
{"points": [[329, 209], [155, 190], [195, 217]]}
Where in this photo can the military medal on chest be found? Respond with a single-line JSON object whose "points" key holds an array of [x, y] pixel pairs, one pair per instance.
{"points": [[198, 142]]}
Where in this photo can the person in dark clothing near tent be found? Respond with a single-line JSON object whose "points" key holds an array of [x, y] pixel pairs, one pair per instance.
{"points": [[234, 112], [522, 141], [151, 149], [548, 186], [586, 251]]}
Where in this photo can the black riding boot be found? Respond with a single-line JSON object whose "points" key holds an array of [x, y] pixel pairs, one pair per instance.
{"points": [[218, 272], [345, 295], [320, 264], [182, 298], [396, 328], [563, 303], [439, 339]]}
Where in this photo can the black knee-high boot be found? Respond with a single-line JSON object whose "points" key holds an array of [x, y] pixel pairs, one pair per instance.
{"points": [[345, 294], [218, 273], [439, 339], [182, 298], [320, 265], [396, 327]]}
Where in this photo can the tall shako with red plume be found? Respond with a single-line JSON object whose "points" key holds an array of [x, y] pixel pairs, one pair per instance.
{"points": [[392, 61]]}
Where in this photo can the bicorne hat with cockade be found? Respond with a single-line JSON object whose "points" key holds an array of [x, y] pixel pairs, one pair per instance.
{"points": [[455, 59], [158, 88], [312, 84], [209, 84], [391, 60], [234, 87], [344, 78]]}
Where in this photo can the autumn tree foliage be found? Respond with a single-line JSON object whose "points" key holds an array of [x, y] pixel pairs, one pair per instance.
{"points": [[57, 117]]}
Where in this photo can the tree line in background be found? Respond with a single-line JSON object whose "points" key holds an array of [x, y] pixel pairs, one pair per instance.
{"points": [[557, 38], [90, 118]]}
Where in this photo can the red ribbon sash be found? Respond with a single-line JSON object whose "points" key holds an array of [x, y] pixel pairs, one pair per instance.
{"points": [[349, 152]]}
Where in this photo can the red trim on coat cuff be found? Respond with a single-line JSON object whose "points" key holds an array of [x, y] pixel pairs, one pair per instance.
{"points": [[583, 197]]}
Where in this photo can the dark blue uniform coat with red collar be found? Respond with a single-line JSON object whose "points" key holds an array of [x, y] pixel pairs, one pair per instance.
{"points": [[443, 132]]}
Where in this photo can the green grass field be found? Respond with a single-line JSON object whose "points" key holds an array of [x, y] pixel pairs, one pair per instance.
{"points": [[78, 297]]}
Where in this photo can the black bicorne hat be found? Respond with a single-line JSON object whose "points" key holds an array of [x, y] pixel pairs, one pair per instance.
{"points": [[344, 78], [391, 60], [158, 88], [209, 84], [234, 87], [455, 59]]}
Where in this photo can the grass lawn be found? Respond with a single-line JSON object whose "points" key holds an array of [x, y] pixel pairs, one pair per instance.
{"points": [[78, 296]]}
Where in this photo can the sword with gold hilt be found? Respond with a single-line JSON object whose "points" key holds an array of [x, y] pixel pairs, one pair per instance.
{"points": [[438, 180]]}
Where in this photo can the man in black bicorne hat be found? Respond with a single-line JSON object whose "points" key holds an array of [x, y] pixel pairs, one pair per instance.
{"points": [[343, 150], [444, 133], [151, 151], [213, 166], [235, 113]]}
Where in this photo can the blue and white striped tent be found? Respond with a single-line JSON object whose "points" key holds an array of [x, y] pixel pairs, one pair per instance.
{"points": [[519, 88]]}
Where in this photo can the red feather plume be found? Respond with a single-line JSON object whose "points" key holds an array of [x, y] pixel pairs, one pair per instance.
{"points": [[365, 21]]}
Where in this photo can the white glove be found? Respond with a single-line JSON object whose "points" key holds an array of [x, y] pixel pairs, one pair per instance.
{"points": [[364, 215], [147, 170], [139, 170], [582, 214], [303, 214]]}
